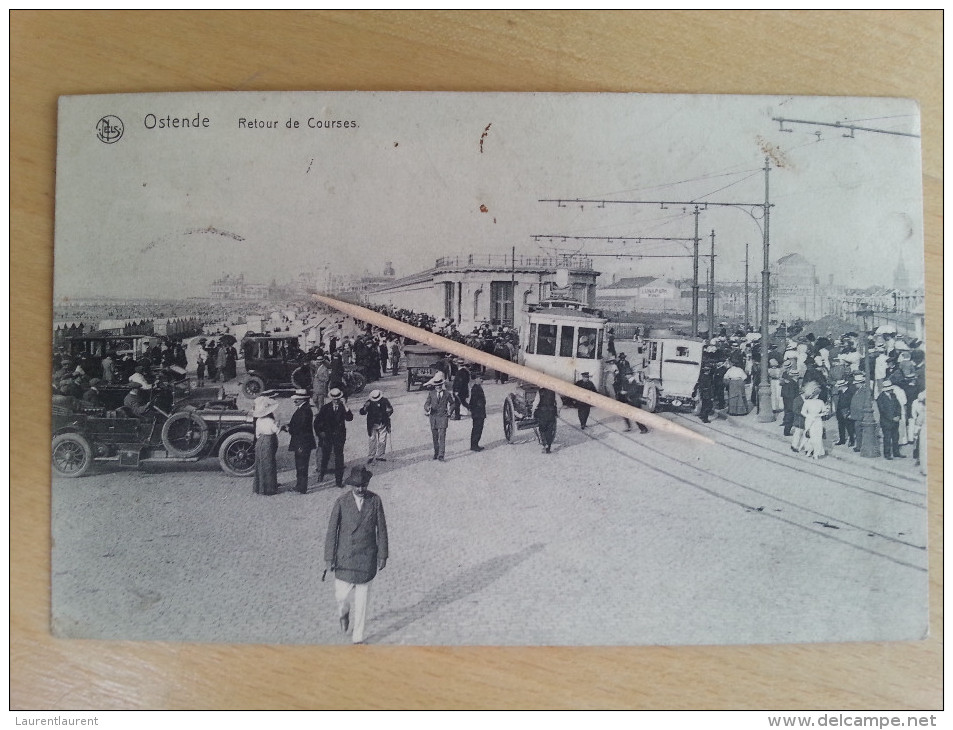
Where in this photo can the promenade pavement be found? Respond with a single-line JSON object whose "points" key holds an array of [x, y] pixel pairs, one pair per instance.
{"points": [[614, 539]]}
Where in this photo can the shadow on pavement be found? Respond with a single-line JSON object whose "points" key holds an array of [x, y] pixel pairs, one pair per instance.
{"points": [[470, 581]]}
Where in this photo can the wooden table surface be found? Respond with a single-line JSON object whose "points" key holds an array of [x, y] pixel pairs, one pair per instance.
{"points": [[889, 53]]}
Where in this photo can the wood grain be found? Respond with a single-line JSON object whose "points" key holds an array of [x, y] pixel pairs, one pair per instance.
{"points": [[883, 53]]}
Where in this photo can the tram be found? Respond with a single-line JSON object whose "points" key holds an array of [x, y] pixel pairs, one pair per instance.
{"points": [[563, 338]]}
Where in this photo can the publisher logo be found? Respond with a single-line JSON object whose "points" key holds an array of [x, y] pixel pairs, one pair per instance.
{"points": [[109, 129]]}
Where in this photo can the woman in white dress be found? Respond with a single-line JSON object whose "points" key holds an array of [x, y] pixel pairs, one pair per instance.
{"points": [[813, 411]]}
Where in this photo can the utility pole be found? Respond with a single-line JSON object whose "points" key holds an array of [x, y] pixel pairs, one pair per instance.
{"points": [[512, 288], [747, 320], [765, 409], [711, 287], [695, 279]]}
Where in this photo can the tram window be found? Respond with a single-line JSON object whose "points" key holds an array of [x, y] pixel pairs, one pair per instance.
{"points": [[599, 346], [587, 343], [531, 345], [681, 352], [547, 340], [566, 336]]}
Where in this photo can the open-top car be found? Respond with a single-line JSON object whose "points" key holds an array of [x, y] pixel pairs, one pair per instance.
{"points": [[161, 430]]}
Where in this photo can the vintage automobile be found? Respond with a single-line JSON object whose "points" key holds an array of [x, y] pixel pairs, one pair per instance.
{"points": [[270, 361], [165, 430], [671, 365], [420, 361], [89, 350]]}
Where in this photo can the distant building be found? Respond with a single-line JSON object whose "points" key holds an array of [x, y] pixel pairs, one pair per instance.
{"points": [[794, 289], [235, 287], [644, 294], [902, 311], [475, 288]]}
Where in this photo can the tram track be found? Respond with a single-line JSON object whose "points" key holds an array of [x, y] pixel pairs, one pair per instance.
{"points": [[816, 522], [824, 466]]}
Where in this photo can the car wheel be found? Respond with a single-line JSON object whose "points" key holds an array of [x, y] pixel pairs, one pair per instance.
{"points": [[651, 399], [185, 434], [72, 455], [252, 387], [236, 455]]}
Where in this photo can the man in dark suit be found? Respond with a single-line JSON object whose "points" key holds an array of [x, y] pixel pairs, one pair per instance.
{"points": [[461, 386], [330, 427], [378, 411], [477, 405], [438, 407], [582, 409], [302, 438], [355, 549], [890, 414]]}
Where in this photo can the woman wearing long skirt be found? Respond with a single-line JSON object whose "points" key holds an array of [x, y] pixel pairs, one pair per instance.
{"points": [[737, 398], [545, 413], [266, 446], [813, 412]]}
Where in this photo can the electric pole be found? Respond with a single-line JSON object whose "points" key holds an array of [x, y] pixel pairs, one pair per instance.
{"points": [[711, 288], [747, 320], [695, 280], [765, 408]]}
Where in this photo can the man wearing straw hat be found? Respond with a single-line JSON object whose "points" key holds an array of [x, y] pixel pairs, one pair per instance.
{"points": [[438, 407], [355, 549], [330, 426], [378, 411]]}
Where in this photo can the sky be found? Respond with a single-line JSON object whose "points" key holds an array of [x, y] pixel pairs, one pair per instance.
{"points": [[410, 177]]}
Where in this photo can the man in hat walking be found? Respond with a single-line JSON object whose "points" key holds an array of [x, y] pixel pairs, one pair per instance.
{"points": [[301, 430], [477, 403], [355, 549], [330, 426], [438, 407], [461, 387], [583, 409], [378, 411]]}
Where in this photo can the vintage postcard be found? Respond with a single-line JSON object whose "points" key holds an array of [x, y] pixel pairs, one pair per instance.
{"points": [[236, 461]]}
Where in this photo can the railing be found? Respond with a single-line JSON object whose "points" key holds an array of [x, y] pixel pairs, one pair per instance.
{"points": [[504, 262]]}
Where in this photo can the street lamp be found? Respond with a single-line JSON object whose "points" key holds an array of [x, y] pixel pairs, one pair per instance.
{"points": [[868, 426]]}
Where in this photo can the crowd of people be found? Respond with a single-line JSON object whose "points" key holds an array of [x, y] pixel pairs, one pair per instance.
{"points": [[82, 377], [822, 386]]}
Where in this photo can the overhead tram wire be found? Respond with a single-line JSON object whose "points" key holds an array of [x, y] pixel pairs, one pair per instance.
{"points": [[839, 125]]}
